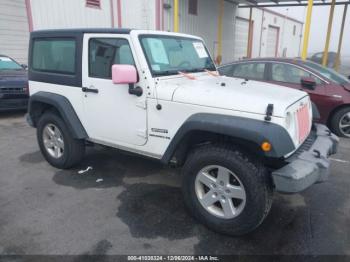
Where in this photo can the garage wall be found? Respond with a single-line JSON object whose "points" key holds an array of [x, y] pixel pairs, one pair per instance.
{"points": [[138, 14], [205, 24], [288, 41], [51, 14], [14, 30]]}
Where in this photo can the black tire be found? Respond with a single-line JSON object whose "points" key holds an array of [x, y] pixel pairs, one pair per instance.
{"points": [[254, 177], [335, 121], [74, 149]]}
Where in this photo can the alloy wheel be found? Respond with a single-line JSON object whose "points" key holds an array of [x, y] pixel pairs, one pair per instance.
{"points": [[220, 191], [344, 124], [53, 140]]}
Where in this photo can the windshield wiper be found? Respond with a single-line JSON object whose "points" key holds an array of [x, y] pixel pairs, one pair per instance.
{"points": [[167, 73], [193, 70], [196, 70], [175, 72]]}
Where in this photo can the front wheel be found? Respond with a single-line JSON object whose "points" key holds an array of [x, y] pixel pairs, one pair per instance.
{"points": [[56, 142], [340, 122], [225, 190]]}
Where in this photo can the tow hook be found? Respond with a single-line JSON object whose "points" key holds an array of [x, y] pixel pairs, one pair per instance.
{"points": [[318, 153]]}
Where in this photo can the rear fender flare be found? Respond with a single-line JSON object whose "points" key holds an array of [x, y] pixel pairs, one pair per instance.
{"points": [[39, 101]]}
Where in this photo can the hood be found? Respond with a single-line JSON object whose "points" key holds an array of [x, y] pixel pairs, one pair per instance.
{"points": [[229, 93], [13, 78], [10, 74]]}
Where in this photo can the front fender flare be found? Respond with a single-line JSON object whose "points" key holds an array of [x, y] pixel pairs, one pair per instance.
{"points": [[236, 127]]}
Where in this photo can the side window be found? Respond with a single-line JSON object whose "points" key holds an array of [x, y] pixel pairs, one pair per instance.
{"points": [[105, 52], [193, 7], [250, 71], [290, 74], [54, 55], [319, 55], [227, 70]]}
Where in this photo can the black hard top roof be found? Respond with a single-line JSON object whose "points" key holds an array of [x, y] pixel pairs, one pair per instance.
{"points": [[78, 31]]}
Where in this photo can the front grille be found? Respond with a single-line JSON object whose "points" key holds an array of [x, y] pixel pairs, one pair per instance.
{"points": [[303, 118], [12, 90]]}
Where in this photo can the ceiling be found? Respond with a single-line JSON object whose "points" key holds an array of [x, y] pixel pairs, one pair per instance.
{"points": [[283, 3]]}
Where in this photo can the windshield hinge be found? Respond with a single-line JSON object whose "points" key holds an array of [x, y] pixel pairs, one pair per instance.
{"points": [[142, 104]]}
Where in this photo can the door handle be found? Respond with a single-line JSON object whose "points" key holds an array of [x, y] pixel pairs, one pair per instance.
{"points": [[89, 90]]}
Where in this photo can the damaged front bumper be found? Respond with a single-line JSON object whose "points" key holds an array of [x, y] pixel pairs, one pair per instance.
{"points": [[309, 164]]}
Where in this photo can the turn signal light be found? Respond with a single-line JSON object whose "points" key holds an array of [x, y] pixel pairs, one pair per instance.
{"points": [[266, 146]]}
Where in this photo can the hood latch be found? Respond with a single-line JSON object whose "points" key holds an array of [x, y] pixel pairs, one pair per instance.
{"points": [[269, 112]]}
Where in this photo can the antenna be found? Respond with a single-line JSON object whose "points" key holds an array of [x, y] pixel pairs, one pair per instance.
{"points": [[158, 106]]}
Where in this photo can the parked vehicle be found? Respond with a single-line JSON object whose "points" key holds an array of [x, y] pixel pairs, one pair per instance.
{"points": [[318, 58], [329, 90], [158, 94], [14, 92]]}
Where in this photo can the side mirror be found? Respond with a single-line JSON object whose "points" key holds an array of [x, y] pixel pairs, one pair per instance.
{"points": [[124, 74], [349, 77], [308, 82], [24, 66]]}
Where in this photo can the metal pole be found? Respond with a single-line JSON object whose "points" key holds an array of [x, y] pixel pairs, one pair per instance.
{"points": [[261, 30], [307, 29], [249, 53], [284, 29], [337, 60], [220, 30], [176, 15], [328, 37]]}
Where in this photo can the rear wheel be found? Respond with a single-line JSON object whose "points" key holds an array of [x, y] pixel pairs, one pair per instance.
{"points": [[56, 142], [226, 190], [340, 122]]}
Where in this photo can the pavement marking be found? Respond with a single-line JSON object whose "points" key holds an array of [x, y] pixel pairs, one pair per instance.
{"points": [[339, 160]]}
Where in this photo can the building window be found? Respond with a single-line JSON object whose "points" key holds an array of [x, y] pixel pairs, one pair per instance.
{"points": [[93, 3], [193, 7], [294, 29]]}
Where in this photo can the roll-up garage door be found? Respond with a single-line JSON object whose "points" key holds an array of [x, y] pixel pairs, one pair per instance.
{"points": [[241, 38], [14, 30], [272, 41]]}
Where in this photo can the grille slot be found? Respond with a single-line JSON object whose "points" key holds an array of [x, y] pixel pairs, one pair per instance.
{"points": [[12, 90], [303, 118]]}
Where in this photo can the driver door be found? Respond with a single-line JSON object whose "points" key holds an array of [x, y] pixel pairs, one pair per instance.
{"points": [[111, 114]]}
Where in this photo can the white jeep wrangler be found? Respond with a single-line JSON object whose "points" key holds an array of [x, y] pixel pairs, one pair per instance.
{"points": [[158, 94]]}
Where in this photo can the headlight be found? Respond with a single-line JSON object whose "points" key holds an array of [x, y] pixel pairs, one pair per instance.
{"points": [[291, 125], [288, 120]]}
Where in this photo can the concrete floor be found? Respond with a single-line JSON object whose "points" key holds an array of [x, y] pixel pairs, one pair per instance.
{"points": [[138, 208]]}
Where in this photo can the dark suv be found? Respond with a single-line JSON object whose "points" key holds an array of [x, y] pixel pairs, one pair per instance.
{"points": [[329, 90], [14, 91]]}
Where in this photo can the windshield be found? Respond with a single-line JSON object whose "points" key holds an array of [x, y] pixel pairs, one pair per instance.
{"points": [[328, 73], [169, 55], [7, 63]]}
